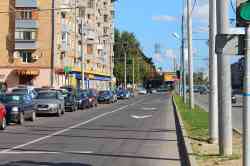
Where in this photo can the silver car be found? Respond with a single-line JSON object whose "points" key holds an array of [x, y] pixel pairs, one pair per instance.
{"points": [[49, 102]]}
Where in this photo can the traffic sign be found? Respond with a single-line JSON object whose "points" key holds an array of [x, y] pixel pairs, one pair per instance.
{"points": [[230, 44]]}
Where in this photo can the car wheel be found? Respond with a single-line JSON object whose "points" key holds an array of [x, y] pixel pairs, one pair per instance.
{"points": [[3, 124], [21, 118], [33, 116]]}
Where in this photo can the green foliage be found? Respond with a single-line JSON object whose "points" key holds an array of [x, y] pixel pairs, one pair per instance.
{"points": [[195, 121], [126, 42]]}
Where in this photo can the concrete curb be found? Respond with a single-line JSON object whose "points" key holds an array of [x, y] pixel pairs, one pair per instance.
{"points": [[187, 141]]}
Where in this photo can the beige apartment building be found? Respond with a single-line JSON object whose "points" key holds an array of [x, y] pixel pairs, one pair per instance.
{"points": [[44, 47]]}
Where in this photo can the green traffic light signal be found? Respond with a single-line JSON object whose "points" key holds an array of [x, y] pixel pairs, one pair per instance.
{"points": [[244, 11]]}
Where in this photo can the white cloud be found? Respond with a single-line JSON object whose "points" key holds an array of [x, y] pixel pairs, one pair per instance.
{"points": [[201, 12], [164, 18]]}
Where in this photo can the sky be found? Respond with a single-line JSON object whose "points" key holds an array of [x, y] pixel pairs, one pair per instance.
{"points": [[154, 22]]}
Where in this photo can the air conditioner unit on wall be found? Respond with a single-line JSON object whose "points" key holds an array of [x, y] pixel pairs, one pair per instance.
{"points": [[16, 54]]}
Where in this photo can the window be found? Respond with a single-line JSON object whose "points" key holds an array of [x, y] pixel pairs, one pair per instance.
{"points": [[105, 30], [25, 35], [90, 49], [24, 15], [91, 4], [105, 18], [26, 56]]}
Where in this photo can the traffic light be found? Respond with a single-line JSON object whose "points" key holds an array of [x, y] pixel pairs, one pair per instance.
{"points": [[243, 13], [178, 74]]}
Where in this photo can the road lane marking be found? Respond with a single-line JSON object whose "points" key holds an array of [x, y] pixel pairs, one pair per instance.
{"points": [[141, 117], [68, 129]]}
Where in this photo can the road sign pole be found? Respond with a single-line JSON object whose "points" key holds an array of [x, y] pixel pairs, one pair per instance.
{"points": [[246, 103], [224, 84], [213, 95]]}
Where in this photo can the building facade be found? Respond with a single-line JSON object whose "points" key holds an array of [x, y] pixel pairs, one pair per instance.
{"points": [[44, 47]]}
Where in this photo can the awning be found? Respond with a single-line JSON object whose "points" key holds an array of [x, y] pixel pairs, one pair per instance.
{"points": [[28, 72], [59, 71]]}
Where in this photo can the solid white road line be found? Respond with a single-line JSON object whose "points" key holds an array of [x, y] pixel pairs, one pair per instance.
{"points": [[67, 129]]}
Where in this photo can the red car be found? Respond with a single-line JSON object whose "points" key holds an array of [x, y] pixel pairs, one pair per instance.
{"points": [[2, 117]]}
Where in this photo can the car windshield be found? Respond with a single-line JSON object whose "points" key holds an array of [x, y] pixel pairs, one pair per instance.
{"points": [[104, 93], [82, 94], [11, 98], [19, 90], [47, 95]]}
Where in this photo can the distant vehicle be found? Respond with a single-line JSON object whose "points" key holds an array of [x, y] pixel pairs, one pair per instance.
{"points": [[68, 88], [163, 88], [196, 88], [92, 95], [203, 90], [234, 99], [142, 91], [82, 99], [3, 121], [19, 107], [25, 90], [49, 102], [106, 97], [70, 102], [123, 94]]}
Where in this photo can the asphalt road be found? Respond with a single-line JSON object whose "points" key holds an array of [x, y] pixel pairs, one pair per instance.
{"points": [[137, 132], [203, 101]]}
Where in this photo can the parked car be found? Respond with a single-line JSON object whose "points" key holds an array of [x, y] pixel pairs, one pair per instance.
{"points": [[92, 95], [70, 102], [82, 99], [123, 94], [106, 97], [142, 91], [234, 99], [19, 107], [25, 90], [49, 102], [3, 121]]}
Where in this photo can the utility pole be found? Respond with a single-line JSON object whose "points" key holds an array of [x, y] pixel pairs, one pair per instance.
{"points": [[190, 53], [133, 73], [53, 43], [183, 61], [213, 95], [246, 103], [224, 84], [125, 69], [82, 55]]}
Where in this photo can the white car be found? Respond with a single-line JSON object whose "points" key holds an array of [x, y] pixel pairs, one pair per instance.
{"points": [[142, 91]]}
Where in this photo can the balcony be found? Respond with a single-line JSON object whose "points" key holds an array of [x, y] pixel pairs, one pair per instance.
{"points": [[25, 45], [26, 24], [26, 3]]}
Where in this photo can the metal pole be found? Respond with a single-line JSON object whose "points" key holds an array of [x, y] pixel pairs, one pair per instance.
{"points": [[246, 103], [190, 53], [125, 69], [213, 95], [53, 41], [133, 73], [183, 61], [82, 56], [224, 84]]}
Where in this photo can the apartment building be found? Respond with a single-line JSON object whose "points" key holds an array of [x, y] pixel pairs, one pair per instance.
{"points": [[40, 46]]}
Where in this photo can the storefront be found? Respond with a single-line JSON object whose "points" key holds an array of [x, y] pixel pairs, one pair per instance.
{"points": [[27, 76]]}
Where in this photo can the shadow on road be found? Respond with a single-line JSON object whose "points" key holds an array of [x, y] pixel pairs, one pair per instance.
{"points": [[34, 163]]}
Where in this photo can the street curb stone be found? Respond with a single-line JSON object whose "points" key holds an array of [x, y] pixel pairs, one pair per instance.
{"points": [[187, 141]]}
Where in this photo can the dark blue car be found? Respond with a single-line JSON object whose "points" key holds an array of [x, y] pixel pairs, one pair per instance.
{"points": [[82, 99], [19, 107]]}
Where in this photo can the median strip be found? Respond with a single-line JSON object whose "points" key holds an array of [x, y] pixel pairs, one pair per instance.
{"points": [[196, 124]]}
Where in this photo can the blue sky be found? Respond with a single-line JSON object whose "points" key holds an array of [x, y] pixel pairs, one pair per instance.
{"points": [[154, 21]]}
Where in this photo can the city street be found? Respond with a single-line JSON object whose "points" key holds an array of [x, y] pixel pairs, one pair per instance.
{"points": [[136, 132], [203, 102]]}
